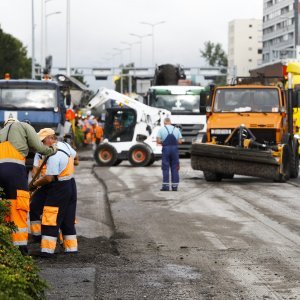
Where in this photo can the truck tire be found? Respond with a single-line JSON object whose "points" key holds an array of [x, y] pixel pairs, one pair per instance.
{"points": [[105, 155], [212, 176], [151, 161], [139, 155], [227, 176], [294, 160]]}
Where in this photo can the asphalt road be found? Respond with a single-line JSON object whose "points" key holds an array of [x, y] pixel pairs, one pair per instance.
{"points": [[237, 239]]}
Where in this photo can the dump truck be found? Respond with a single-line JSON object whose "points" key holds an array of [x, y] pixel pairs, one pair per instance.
{"points": [[250, 131]]}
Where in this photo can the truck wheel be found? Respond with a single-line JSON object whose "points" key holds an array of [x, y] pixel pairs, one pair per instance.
{"points": [[151, 161], [211, 176], [294, 160], [139, 155], [227, 176], [105, 155]]}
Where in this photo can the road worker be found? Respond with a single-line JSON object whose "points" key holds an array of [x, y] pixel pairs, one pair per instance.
{"points": [[59, 207], [97, 132], [169, 136], [15, 139]]}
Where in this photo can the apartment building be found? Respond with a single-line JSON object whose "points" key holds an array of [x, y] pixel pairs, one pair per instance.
{"points": [[280, 30], [244, 46]]}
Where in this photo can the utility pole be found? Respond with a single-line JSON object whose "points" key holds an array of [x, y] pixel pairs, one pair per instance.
{"points": [[33, 42]]}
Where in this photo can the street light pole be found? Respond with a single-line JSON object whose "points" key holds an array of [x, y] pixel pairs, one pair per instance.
{"points": [[33, 44], [153, 42], [140, 37], [68, 46], [46, 28]]}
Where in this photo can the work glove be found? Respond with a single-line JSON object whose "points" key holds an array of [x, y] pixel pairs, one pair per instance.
{"points": [[32, 188]]}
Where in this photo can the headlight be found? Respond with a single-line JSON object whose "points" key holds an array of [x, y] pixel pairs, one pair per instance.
{"points": [[220, 131]]}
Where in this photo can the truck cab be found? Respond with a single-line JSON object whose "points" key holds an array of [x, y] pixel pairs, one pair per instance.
{"points": [[186, 107], [37, 102]]}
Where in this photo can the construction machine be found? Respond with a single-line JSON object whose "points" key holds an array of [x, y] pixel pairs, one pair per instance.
{"points": [[130, 130], [250, 131]]}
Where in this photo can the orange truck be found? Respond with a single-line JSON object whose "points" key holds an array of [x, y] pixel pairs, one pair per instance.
{"points": [[250, 131]]}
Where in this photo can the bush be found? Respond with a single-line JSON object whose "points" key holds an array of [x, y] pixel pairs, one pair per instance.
{"points": [[19, 277]]}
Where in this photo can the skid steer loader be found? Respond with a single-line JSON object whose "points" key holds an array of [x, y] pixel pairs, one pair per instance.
{"points": [[250, 131], [130, 130]]}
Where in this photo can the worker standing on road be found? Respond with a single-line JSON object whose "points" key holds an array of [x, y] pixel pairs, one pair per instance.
{"points": [[169, 136], [59, 207], [15, 139], [97, 132]]}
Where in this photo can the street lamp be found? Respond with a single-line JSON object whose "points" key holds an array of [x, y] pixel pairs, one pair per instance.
{"points": [[153, 25], [130, 49], [140, 37], [33, 43], [48, 15]]}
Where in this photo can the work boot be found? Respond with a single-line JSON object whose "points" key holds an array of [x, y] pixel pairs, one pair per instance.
{"points": [[46, 255], [164, 189]]}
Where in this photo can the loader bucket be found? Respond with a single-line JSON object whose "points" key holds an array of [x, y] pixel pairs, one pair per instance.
{"points": [[235, 160]]}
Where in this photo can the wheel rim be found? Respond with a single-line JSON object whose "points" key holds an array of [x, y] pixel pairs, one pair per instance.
{"points": [[138, 156], [105, 155]]}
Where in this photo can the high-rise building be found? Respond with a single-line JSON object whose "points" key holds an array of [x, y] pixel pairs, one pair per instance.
{"points": [[280, 29], [244, 46]]}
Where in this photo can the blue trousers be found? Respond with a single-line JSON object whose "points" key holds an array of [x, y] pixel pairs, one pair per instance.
{"points": [[170, 161]]}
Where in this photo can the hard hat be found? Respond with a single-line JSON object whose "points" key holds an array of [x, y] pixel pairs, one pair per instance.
{"points": [[43, 133]]}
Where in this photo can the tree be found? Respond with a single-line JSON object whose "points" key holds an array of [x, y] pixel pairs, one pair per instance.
{"points": [[214, 54], [13, 57]]}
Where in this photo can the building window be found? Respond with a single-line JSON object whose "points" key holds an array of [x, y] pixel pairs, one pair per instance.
{"points": [[250, 37], [250, 25], [250, 60], [259, 51]]}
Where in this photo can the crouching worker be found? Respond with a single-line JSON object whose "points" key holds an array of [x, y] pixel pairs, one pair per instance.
{"points": [[15, 139], [60, 197]]}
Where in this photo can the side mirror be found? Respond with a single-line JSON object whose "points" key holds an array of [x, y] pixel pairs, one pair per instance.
{"points": [[296, 98], [204, 97]]}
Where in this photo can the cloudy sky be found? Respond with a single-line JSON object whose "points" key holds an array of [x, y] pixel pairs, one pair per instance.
{"points": [[99, 26]]}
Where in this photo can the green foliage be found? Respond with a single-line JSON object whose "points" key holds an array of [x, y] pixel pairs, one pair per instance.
{"points": [[13, 57], [214, 54], [19, 277]]}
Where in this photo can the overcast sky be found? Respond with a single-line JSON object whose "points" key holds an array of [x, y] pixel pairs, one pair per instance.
{"points": [[98, 26]]}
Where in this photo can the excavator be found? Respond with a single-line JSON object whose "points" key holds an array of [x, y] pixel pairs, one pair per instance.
{"points": [[130, 130], [251, 130]]}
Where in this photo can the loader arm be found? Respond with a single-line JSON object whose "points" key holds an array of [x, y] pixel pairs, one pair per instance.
{"points": [[145, 113]]}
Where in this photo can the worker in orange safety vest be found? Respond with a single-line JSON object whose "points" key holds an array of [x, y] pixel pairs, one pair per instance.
{"points": [[15, 139]]}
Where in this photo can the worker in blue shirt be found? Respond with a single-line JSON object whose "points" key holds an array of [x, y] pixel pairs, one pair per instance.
{"points": [[169, 136], [59, 207]]}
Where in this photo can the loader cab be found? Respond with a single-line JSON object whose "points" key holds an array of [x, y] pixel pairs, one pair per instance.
{"points": [[119, 124]]}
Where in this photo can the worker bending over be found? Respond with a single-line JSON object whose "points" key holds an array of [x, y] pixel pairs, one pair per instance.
{"points": [[15, 139], [169, 136], [59, 207]]}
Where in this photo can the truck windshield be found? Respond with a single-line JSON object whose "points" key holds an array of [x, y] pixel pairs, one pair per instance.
{"points": [[28, 98], [177, 104], [247, 100]]}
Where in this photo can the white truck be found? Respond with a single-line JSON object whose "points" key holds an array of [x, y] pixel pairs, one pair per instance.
{"points": [[187, 106], [130, 130]]}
